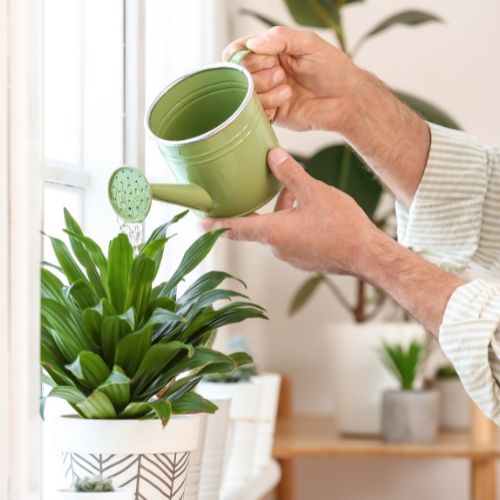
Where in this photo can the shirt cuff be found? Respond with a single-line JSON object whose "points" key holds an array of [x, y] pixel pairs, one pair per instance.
{"points": [[468, 337], [444, 220]]}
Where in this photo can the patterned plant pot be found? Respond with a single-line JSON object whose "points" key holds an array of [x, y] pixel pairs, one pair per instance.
{"points": [[194, 470], [138, 454], [118, 494]]}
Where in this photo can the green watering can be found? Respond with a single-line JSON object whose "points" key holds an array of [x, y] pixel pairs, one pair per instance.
{"points": [[215, 136]]}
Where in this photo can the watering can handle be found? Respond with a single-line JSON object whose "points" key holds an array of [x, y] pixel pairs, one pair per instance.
{"points": [[238, 56]]}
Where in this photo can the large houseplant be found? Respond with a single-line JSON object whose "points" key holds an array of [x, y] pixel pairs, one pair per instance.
{"points": [[351, 348], [126, 355]]}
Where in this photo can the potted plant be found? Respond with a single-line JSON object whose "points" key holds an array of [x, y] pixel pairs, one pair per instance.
{"points": [[358, 411], [455, 403], [95, 488], [127, 354], [409, 415]]}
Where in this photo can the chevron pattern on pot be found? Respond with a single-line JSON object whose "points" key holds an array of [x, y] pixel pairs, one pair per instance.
{"points": [[153, 477]]}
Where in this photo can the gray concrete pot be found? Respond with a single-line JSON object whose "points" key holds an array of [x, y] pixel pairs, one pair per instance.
{"points": [[410, 416], [455, 404]]}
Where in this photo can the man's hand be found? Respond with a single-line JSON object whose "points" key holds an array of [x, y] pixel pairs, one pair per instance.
{"points": [[303, 81], [306, 83], [315, 227]]}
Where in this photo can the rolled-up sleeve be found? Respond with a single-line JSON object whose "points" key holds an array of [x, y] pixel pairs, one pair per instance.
{"points": [[454, 221], [443, 223]]}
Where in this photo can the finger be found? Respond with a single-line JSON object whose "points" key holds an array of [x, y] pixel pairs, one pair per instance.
{"points": [[285, 200], [290, 173], [253, 227], [271, 113], [238, 44], [276, 97], [268, 79], [256, 62], [280, 39]]}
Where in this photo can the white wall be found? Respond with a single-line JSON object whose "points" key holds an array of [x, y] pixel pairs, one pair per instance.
{"points": [[454, 65]]}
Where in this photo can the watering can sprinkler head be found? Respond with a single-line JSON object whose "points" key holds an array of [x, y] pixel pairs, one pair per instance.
{"points": [[130, 194]]}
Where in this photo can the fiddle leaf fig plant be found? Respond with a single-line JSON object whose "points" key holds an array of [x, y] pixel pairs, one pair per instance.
{"points": [[338, 165], [117, 345]]}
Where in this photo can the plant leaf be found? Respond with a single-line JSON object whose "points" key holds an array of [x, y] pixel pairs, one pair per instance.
{"points": [[117, 388], [97, 405], [139, 285], [161, 231], [83, 294], [131, 349], [69, 266], [241, 359], [428, 111], [191, 402], [113, 330], [263, 19], [136, 409], [90, 369], [194, 255], [69, 393], [162, 409], [305, 293], [120, 258]]}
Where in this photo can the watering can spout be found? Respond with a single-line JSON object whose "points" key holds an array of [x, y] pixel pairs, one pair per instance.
{"points": [[187, 195]]}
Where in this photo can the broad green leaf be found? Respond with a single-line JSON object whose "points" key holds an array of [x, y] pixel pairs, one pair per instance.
{"points": [[139, 286], [305, 293], [92, 319], [53, 362], [135, 410], [82, 254], [161, 231], [83, 294], [319, 13], [131, 349], [69, 266], [154, 251], [155, 360], [117, 388], [51, 286], [162, 409], [97, 405], [120, 258], [208, 298], [340, 167], [182, 386], [263, 19], [161, 302], [241, 359], [90, 369], [162, 316], [69, 393], [67, 331], [113, 330], [194, 255], [207, 282], [428, 111], [191, 402], [408, 18]]}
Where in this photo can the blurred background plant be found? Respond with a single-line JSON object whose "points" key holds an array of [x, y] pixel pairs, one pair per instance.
{"points": [[94, 484], [338, 165]]}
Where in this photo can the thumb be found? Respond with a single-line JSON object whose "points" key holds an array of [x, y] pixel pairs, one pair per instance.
{"points": [[280, 39], [290, 173]]}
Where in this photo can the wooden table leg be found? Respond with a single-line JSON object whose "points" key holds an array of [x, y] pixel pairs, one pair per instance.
{"points": [[482, 472], [284, 490], [483, 479]]}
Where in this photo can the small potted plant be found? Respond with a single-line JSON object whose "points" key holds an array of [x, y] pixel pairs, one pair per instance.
{"points": [[127, 354], [455, 403], [409, 415], [95, 488]]}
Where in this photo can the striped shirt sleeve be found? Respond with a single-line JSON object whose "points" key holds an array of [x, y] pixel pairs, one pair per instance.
{"points": [[454, 221]]}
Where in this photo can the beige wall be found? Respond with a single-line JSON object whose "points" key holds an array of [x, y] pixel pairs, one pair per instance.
{"points": [[455, 65]]}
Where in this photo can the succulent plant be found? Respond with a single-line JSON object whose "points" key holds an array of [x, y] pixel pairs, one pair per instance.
{"points": [[115, 345], [446, 372], [404, 363], [93, 484]]}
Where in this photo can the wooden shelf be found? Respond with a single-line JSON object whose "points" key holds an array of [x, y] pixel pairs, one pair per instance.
{"points": [[317, 436]]}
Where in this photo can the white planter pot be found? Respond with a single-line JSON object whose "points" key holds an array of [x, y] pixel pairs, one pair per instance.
{"points": [[118, 494], [410, 416], [214, 451], [270, 393], [455, 404], [194, 471], [243, 415], [137, 454], [359, 377]]}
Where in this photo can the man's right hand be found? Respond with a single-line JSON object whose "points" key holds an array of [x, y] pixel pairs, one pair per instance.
{"points": [[303, 82]]}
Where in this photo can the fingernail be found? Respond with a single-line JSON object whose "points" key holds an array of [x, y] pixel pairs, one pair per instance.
{"points": [[278, 75], [257, 41], [277, 156], [286, 92]]}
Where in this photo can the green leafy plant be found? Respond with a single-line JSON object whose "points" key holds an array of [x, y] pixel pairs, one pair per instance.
{"points": [[241, 374], [446, 372], [94, 484], [114, 345], [404, 363], [337, 165]]}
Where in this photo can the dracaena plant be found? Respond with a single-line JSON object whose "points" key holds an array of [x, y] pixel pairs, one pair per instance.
{"points": [[116, 345], [337, 165]]}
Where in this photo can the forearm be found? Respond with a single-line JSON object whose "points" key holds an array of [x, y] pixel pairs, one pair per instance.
{"points": [[392, 139], [420, 287]]}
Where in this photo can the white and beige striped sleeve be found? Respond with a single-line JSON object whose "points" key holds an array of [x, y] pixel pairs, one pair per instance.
{"points": [[454, 221]]}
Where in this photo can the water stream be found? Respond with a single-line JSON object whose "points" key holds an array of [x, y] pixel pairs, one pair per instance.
{"points": [[134, 231]]}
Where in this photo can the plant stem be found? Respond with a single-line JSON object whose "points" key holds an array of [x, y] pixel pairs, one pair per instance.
{"points": [[359, 310], [343, 301]]}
